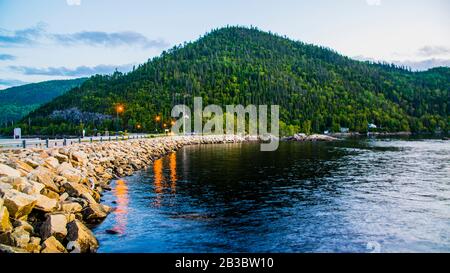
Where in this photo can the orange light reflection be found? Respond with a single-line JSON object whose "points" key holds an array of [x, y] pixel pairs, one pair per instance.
{"points": [[173, 171], [121, 193]]}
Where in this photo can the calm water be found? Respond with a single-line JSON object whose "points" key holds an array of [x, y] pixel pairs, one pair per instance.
{"points": [[351, 196]]}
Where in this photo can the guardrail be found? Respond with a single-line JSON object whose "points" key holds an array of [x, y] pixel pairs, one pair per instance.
{"points": [[47, 143]]}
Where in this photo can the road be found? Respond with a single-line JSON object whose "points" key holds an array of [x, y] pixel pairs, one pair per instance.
{"points": [[42, 143]]}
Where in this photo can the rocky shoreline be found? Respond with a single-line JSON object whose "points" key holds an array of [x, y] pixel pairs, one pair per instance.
{"points": [[309, 138], [49, 197]]}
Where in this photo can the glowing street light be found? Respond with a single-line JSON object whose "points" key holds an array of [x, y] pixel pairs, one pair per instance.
{"points": [[119, 110], [157, 119]]}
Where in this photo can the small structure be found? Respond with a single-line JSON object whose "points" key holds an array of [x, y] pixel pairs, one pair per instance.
{"points": [[344, 130], [17, 133]]}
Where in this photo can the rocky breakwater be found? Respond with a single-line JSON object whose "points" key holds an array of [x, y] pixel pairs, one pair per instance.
{"points": [[50, 197], [311, 138]]}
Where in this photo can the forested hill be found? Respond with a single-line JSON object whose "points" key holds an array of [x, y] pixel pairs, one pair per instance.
{"points": [[317, 88], [18, 101]]}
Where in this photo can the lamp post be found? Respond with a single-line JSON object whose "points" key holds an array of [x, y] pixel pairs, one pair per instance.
{"points": [[119, 109], [157, 119]]}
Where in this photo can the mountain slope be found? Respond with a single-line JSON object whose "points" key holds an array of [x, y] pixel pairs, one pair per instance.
{"points": [[18, 101], [316, 88]]}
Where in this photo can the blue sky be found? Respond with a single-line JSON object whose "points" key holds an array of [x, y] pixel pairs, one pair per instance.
{"points": [[59, 39]]}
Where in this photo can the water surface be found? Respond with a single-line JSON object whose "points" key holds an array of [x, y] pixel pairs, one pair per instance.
{"points": [[364, 195]]}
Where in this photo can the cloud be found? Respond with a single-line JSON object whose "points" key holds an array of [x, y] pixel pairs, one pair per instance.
{"points": [[23, 36], [429, 51], [38, 33], [373, 2], [112, 39], [73, 2], [7, 57], [72, 72]]}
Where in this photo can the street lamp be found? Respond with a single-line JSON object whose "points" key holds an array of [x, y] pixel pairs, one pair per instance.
{"points": [[119, 110], [157, 119]]}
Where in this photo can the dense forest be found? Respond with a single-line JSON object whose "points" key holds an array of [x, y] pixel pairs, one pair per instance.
{"points": [[317, 89], [16, 102]]}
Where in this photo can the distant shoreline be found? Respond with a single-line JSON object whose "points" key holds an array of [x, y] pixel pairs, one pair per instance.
{"points": [[349, 134]]}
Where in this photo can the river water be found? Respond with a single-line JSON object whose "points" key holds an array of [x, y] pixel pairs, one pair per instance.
{"points": [[366, 195]]}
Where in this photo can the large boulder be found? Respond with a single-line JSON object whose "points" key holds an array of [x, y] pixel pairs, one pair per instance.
{"points": [[317, 137], [33, 188], [73, 247], [20, 237], [51, 163], [54, 225], [50, 194], [51, 245], [19, 204], [34, 246], [59, 180], [76, 189], [6, 170], [43, 203], [69, 173], [5, 186], [95, 212], [23, 167], [31, 163], [80, 157], [44, 176], [81, 236], [24, 224], [99, 169], [24, 185], [5, 224], [61, 158], [71, 207], [11, 249], [64, 166], [72, 175]]}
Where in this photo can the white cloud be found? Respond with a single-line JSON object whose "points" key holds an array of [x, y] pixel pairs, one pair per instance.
{"points": [[434, 51], [373, 2], [73, 2]]}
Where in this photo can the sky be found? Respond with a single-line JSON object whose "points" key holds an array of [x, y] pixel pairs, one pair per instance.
{"points": [[62, 39]]}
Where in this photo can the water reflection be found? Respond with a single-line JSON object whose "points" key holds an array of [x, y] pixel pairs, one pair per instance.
{"points": [[160, 180], [173, 171], [121, 212]]}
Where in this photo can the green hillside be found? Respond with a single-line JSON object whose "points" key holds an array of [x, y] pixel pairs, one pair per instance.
{"points": [[317, 88], [18, 101]]}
